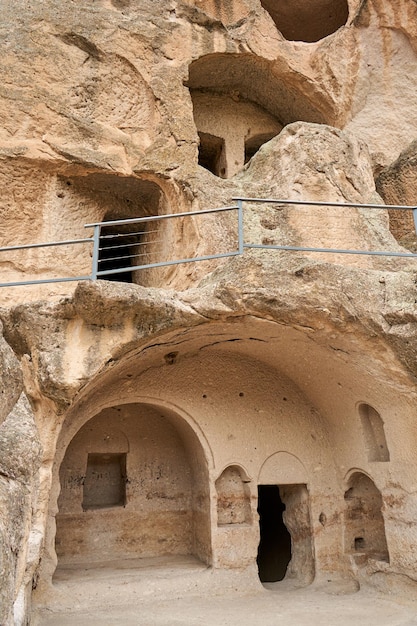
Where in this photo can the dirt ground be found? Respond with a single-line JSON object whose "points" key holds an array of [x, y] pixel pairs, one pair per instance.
{"points": [[183, 592]]}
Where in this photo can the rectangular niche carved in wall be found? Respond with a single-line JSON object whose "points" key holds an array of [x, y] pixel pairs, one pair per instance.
{"points": [[105, 481]]}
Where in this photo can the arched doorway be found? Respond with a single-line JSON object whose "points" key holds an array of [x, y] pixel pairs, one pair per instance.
{"points": [[133, 484], [286, 538]]}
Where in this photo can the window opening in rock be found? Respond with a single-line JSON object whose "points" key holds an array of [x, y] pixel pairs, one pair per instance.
{"points": [[225, 122], [105, 481], [211, 154], [274, 552], [233, 498], [253, 144], [373, 429], [364, 522], [359, 543], [310, 21]]}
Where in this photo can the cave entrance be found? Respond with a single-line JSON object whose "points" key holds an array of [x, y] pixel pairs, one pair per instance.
{"points": [[274, 552], [107, 199]]}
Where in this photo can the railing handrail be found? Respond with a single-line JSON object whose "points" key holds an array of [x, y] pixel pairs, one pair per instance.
{"points": [[48, 244], [348, 205], [151, 218]]}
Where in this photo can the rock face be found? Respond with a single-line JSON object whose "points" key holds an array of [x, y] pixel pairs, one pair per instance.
{"points": [[11, 379], [181, 408], [19, 555], [397, 184]]}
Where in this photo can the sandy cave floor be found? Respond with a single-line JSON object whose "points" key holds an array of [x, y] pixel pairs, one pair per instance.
{"points": [[305, 608], [110, 596]]}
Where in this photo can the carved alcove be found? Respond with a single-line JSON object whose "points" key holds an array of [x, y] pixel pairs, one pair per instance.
{"points": [[233, 497], [374, 433], [364, 522]]}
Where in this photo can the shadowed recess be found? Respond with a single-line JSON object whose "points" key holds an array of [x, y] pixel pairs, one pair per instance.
{"points": [[310, 21]]}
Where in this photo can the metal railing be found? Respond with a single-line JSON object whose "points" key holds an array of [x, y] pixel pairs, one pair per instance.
{"points": [[146, 247], [98, 238], [40, 281], [341, 205], [137, 240]]}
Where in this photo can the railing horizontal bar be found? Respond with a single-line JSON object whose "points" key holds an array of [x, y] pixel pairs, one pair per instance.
{"points": [[42, 281], [124, 258], [165, 263], [152, 218], [121, 245], [147, 254], [342, 205], [130, 245], [46, 245], [147, 243], [116, 235], [332, 250]]}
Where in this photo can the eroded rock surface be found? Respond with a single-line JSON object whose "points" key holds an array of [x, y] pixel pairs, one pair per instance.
{"points": [[11, 381], [20, 456], [272, 368]]}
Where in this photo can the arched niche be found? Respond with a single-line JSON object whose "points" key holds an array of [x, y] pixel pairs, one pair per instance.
{"points": [[157, 460], [310, 21], [374, 434], [364, 522], [103, 197], [233, 497], [239, 102]]}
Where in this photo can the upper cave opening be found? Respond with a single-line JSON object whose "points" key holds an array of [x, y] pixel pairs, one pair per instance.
{"points": [[239, 103], [231, 130], [310, 21], [103, 197]]}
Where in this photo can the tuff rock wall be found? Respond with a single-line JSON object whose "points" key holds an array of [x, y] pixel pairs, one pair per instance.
{"points": [[260, 363]]}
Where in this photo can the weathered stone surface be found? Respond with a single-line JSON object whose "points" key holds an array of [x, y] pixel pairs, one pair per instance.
{"points": [[20, 453], [259, 366], [317, 163], [397, 184], [11, 383]]}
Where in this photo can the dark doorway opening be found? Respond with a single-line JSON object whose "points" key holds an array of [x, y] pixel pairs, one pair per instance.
{"points": [[116, 253], [274, 552], [253, 144], [211, 154]]}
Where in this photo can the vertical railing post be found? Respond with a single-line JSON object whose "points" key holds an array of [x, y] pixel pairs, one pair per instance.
{"points": [[415, 218], [96, 247], [240, 225]]}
